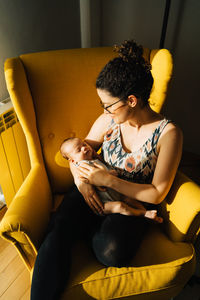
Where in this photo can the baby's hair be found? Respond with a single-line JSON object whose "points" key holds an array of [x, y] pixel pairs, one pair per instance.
{"points": [[64, 142]]}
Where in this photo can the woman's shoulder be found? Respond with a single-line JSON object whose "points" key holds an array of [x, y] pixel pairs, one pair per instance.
{"points": [[104, 119], [99, 129], [172, 128], [167, 125], [102, 123], [171, 133]]}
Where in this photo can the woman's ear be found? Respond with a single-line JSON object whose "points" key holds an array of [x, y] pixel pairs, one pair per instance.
{"points": [[132, 100]]}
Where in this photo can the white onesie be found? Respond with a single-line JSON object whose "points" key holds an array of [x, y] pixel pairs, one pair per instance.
{"points": [[109, 194]]}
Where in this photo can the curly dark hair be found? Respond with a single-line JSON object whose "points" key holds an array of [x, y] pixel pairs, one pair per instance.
{"points": [[127, 74]]}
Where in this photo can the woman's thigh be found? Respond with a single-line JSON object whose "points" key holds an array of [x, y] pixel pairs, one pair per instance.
{"points": [[118, 239], [74, 217]]}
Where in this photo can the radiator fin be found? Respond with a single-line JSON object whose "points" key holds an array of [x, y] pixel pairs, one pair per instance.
{"points": [[5, 175], [12, 157], [14, 160], [21, 149]]}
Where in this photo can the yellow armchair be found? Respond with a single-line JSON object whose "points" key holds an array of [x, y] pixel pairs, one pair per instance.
{"points": [[54, 96]]}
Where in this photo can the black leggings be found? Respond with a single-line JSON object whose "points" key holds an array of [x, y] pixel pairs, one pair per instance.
{"points": [[114, 239]]}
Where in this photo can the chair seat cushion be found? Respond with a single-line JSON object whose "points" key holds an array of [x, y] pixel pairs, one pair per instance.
{"points": [[160, 264]]}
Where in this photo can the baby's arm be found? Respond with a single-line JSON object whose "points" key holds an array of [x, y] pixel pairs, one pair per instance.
{"points": [[124, 209], [151, 214]]}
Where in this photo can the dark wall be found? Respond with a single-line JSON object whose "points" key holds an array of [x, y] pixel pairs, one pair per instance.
{"points": [[36, 25]]}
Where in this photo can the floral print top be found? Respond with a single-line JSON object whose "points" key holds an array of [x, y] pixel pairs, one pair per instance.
{"points": [[137, 166]]}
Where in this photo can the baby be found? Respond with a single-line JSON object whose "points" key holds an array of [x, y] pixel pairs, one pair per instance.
{"points": [[78, 151]]}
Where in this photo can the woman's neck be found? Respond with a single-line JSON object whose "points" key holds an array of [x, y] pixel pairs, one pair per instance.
{"points": [[142, 116]]}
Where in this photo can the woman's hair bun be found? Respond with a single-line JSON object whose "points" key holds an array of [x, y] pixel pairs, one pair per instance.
{"points": [[127, 74], [129, 50]]}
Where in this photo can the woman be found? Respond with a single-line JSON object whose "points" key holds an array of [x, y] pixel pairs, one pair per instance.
{"points": [[143, 146], [124, 86]]}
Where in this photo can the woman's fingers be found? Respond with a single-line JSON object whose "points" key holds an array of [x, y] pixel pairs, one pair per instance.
{"points": [[95, 207], [83, 172], [98, 166], [91, 205], [91, 198], [83, 179], [84, 166], [94, 202]]}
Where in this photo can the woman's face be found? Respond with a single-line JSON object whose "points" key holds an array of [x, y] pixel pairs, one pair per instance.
{"points": [[118, 109]]}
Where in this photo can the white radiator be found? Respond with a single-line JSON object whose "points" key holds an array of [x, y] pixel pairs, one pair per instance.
{"points": [[14, 158]]}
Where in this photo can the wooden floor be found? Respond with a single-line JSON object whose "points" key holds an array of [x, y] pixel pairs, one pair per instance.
{"points": [[14, 276]]}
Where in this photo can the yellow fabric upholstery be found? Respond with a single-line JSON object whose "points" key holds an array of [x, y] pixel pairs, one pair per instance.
{"points": [[183, 198], [26, 219], [160, 269], [54, 96], [161, 76]]}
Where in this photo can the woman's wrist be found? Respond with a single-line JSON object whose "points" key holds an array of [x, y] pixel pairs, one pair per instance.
{"points": [[111, 181]]}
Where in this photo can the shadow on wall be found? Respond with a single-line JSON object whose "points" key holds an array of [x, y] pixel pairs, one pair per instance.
{"points": [[177, 25], [34, 26]]}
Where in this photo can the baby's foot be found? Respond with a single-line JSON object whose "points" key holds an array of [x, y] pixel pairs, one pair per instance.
{"points": [[152, 214]]}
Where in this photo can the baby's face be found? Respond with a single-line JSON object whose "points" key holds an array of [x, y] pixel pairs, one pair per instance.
{"points": [[78, 150]]}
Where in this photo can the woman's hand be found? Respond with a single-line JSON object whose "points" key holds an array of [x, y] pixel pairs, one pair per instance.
{"points": [[95, 174], [90, 196]]}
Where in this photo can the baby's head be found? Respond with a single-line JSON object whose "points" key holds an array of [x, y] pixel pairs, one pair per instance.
{"points": [[75, 149]]}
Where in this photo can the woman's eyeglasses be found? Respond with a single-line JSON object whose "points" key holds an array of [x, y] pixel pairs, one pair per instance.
{"points": [[107, 107]]}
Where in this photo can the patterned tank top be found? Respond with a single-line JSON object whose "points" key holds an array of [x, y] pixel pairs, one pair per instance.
{"points": [[137, 166]]}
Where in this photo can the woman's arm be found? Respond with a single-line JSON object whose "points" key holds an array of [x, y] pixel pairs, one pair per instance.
{"points": [[94, 139], [170, 150], [96, 134]]}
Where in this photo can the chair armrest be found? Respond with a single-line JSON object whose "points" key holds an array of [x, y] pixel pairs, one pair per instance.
{"points": [[27, 217], [182, 210]]}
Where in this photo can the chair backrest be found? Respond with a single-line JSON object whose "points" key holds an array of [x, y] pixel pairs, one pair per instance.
{"points": [[54, 96]]}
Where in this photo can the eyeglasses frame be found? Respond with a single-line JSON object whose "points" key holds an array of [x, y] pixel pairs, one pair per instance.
{"points": [[106, 108]]}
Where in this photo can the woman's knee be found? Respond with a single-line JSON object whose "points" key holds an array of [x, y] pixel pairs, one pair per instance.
{"points": [[109, 251], [118, 240]]}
